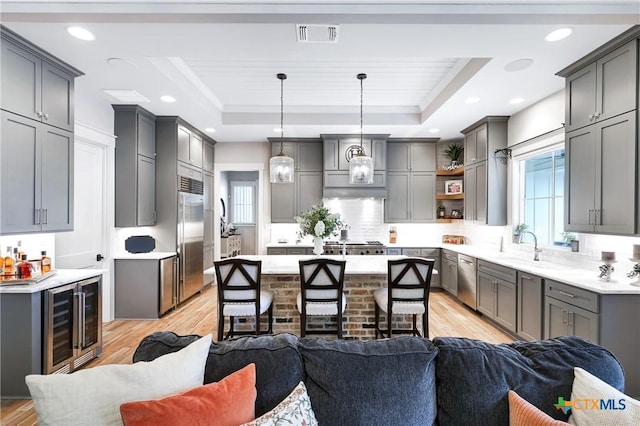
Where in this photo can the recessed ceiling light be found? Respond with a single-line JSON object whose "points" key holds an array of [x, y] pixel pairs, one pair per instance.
{"points": [[167, 98], [121, 63], [472, 100], [434, 130], [559, 34], [210, 130], [518, 65], [515, 101], [81, 33]]}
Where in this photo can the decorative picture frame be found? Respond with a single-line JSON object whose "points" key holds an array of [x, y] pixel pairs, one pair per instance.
{"points": [[452, 187]]}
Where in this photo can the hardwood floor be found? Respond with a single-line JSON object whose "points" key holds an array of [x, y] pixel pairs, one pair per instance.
{"points": [[447, 317]]}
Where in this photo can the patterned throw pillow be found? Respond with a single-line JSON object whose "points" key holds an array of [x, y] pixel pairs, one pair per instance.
{"points": [[295, 409]]}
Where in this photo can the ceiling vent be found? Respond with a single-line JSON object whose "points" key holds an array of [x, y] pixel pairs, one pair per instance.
{"points": [[317, 33]]}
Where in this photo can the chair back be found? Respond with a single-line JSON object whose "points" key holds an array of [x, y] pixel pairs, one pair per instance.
{"points": [[321, 280], [238, 280], [409, 280]]}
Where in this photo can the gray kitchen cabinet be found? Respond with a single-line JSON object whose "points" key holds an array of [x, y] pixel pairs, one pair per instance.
{"points": [[530, 306], [394, 251], [410, 197], [336, 146], [496, 293], [35, 84], [135, 166], [36, 186], [209, 225], [189, 146], [299, 251], [427, 253], [415, 155], [449, 272], [485, 180], [290, 199], [600, 163], [601, 318], [208, 152], [144, 288], [603, 89], [475, 144]]}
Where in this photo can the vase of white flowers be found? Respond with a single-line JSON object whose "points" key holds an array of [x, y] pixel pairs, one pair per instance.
{"points": [[320, 223]]}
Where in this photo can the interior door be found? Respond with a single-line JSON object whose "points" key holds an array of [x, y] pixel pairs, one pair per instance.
{"points": [[79, 248]]}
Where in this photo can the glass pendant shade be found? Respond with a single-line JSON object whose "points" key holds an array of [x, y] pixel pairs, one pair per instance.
{"points": [[281, 165], [361, 169], [281, 169]]}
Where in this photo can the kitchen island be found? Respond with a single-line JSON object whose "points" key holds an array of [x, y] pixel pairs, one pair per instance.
{"points": [[363, 275]]}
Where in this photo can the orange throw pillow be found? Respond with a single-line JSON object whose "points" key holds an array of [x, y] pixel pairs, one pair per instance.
{"points": [[231, 401], [523, 413]]}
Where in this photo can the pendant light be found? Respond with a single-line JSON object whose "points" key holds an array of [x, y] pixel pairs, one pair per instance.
{"points": [[360, 166], [281, 166]]}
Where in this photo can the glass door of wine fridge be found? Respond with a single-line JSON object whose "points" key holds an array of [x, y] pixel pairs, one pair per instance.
{"points": [[72, 325]]}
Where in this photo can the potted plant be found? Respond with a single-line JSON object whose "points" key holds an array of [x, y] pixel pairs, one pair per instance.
{"points": [[517, 230], [320, 223], [454, 152]]}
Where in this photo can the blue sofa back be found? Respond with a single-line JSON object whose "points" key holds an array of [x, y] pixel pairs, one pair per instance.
{"points": [[404, 380]]}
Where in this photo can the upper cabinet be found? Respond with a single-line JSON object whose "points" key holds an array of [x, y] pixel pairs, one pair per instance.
{"points": [[602, 89], [36, 150], [135, 166], [36, 85], [411, 180], [208, 156], [601, 145], [336, 150], [189, 147], [290, 199], [485, 173]]}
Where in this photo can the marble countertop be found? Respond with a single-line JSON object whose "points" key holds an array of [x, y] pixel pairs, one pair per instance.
{"points": [[288, 265], [145, 256], [61, 277]]}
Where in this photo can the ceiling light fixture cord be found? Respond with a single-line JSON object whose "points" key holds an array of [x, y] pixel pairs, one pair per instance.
{"points": [[361, 77], [282, 77]]}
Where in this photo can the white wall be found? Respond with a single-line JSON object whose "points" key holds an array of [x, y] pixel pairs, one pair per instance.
{"points": [[542, 117]]}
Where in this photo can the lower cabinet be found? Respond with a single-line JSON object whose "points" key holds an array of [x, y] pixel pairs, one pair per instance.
{"points": [[496, 293], [299, 251], [145, 288], [449, 272], [570, 311], [427, 253], [530, 306]]}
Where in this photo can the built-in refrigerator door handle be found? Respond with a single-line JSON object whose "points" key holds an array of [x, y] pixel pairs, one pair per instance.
{"points": [[78, 320], [83, 322], [176, 267]]}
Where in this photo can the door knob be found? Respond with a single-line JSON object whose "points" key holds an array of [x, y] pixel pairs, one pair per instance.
{"points": [[99, 257]]}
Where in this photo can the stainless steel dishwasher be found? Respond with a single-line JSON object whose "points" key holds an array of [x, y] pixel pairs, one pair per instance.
{"points": [[467, 280]]}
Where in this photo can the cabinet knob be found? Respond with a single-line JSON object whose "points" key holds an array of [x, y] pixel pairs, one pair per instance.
{"points": [[45, 116], [597, 114], [591, 116]]}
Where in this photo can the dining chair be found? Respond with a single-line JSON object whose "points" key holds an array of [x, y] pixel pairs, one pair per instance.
{"points": [[408, 282], [321, 293], [239, 295]]}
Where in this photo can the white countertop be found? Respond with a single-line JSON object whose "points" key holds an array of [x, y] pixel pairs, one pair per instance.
{"points": [[145, 256], [288, 265], [579, 277], [61, 277]]}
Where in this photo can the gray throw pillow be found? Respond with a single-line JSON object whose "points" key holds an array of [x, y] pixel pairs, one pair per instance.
{"points": [[474, 377], [381, 382], [278, 363]]}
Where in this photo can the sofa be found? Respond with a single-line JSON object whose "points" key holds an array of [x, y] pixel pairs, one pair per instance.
{"points": [[403, 380]]}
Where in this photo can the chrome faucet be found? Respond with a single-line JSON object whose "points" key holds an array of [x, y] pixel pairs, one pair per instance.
{"points": [[536, 250]]}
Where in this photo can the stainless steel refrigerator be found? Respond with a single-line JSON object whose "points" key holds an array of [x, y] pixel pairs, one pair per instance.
{"points": [[190, 239]]}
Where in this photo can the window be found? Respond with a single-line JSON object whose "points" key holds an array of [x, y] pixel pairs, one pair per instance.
{"points": [[541, 194], [243, 202]]}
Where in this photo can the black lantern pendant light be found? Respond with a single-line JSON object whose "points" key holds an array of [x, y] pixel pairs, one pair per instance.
{"points": [[281, 166], [361, 165]]}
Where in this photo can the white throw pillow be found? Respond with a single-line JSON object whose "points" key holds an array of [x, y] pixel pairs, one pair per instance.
{"points": [[93, 396], [295, 409], [613, 407]]}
